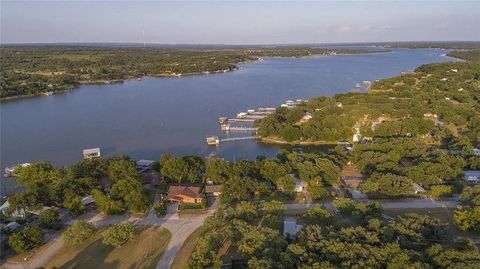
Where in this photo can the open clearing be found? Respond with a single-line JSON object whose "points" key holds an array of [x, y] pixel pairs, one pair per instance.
{"points": [[145, 252]]}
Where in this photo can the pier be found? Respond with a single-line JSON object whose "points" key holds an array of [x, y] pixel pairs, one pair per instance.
{"points": [[237, 138]]}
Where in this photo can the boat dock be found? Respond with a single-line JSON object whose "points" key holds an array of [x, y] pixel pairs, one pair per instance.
{"points": [[227, 127], [237, 138]]}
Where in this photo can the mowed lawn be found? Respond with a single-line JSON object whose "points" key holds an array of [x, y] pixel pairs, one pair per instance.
{"points": [[145, 252]]}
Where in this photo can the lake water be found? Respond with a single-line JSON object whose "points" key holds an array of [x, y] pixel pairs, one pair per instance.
{"points": [[145, 118]]}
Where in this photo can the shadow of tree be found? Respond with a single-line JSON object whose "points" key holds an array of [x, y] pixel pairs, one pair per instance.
{"points": [[92, 256]]}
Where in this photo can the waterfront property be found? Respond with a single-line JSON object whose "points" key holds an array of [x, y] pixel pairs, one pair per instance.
{"points": [[185, 193]]}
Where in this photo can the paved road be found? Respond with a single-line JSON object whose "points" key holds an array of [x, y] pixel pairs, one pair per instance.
{"points": [[56, 242], [390, 204]]}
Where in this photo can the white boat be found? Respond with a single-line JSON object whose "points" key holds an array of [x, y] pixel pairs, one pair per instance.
{"points": [[213, 140]]}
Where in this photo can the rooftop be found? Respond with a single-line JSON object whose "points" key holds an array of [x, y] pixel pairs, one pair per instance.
{"points": [[213, 188], [188, 190], [144, 162], [350, 171], [91, 151]]}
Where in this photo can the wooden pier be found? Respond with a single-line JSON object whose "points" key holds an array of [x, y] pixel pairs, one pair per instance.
{"points": [[237, 138]]}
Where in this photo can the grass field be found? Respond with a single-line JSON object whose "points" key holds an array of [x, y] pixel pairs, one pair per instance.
{"points": [[185, 252], [144, 252]]}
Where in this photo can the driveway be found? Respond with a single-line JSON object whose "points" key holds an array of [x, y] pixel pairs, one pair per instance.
{"points": [[181, 229], [389, 204]]}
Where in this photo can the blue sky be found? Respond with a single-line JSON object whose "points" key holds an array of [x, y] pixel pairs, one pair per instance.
{"points": [[238, 22]]}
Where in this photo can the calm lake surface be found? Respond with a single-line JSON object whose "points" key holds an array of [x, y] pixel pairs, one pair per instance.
{"points": [[145, 118]]}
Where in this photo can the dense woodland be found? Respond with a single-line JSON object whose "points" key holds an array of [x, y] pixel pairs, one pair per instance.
{"points": [[430, 118], [359, 238], [32, 70]]}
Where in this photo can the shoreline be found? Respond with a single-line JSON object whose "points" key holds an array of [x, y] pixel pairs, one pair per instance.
{"points": [[113, 81]]}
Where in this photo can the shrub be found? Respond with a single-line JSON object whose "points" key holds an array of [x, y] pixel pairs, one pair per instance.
{"points": [[440, 191], [79, 232], [49, 220], [119, 234], [160, 208], [26, 239]]}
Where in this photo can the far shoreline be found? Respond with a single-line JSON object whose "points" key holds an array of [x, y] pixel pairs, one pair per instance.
{"points": [[115, 81]]}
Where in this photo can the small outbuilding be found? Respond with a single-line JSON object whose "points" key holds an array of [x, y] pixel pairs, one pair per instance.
{"points": [[87, 200]]}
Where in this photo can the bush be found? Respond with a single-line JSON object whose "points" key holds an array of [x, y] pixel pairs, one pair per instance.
{"points": [[318, 214], [79, 232], [119, 234], [26, 239], [160, 208], [201, 205], [49, 220], [440, 191]]}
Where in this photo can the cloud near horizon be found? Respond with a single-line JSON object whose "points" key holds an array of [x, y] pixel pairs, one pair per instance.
{"points": [[238, 22]]}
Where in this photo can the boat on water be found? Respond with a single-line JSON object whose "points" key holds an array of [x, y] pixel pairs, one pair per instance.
{"points": [[213, 140], [10, 171]]}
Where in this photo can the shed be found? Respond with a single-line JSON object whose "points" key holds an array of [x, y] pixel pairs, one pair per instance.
{"points": [[87, 200]]}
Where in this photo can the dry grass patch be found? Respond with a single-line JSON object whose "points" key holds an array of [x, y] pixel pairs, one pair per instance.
{"points": [[145, 252], [181, 260]]}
